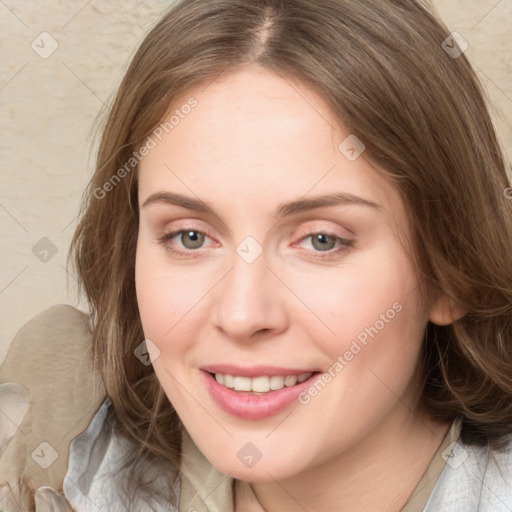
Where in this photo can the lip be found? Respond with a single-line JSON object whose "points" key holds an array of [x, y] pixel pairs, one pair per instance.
{"points": [[254, 407], [255, 371]]}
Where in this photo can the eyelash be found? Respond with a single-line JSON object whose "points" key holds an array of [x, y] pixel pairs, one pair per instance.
{"points": [[345, 244]]}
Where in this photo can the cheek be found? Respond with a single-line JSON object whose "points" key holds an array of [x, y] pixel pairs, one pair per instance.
{"points": [[373, 352], [168, 299], [373, 296], [376, 334], [168, 303], [379, 330]]}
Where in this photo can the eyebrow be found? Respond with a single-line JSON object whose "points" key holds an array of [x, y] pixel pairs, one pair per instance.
{"points": [[284, 209]]}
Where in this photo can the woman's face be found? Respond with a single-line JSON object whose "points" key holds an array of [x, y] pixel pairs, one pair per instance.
{"points": [[267, 254]]}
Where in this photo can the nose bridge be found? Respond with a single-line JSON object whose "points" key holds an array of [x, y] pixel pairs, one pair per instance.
{"points": [[248, 299]]}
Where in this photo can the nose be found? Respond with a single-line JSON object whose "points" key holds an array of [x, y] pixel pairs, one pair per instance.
{"points": [[250, 302]]}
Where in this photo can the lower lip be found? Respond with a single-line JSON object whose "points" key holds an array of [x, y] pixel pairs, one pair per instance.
{"points": [[254, 407]]}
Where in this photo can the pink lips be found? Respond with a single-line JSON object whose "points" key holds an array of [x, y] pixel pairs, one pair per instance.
{"points": [[248, 406], [254, 371]]}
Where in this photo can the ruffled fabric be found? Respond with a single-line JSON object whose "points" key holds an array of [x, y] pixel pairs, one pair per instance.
{"points": [[474, 479], [96, 455]]}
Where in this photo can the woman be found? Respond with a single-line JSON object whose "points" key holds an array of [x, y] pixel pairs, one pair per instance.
{"points": [[296, 250]]}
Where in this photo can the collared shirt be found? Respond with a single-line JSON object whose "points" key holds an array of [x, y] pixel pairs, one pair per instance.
{"points": [[459, 478]]}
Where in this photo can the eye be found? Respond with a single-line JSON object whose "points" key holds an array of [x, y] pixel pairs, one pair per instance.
{"points": [[186, 239], [325, 245]]}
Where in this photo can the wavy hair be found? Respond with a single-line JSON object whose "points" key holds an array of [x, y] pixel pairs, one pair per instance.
{"points": [[422, 114]]}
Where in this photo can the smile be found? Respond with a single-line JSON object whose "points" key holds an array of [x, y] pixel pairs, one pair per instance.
{"points": [[262, 384], [265, 392]]}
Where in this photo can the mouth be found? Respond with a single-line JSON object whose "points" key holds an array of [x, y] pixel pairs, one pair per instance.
{"points": [[260, 385], [259, 396]]}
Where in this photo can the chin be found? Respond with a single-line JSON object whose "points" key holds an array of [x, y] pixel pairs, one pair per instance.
{"points": [[268, 468]]}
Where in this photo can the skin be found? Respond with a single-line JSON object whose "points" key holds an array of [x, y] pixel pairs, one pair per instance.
{"points": [[255, 140]]}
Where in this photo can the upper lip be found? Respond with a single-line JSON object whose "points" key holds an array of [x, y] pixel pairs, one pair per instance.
{"points": [[254, 371]]}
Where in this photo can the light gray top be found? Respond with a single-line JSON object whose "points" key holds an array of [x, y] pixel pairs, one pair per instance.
{"points": [[473, 478], [94, 461]]}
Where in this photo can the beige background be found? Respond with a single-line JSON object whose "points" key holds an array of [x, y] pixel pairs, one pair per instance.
{"points": [[49, 108]]}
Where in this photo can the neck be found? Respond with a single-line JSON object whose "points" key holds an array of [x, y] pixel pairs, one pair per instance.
{"points": [[380, 472]]}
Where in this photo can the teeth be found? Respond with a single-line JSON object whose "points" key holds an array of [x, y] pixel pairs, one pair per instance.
{"points": [[276, 382], [229, 381], [262, 384], [303, 376], [242, 383], [291, 380]]}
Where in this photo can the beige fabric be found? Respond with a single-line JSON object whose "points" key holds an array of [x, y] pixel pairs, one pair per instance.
{"points": [[50, 358], [48, 499], [421, 494], [203, 487]]}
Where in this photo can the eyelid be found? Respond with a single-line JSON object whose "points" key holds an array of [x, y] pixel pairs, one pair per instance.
{"points": [[324, 232], [186, 225], [316, 227]]}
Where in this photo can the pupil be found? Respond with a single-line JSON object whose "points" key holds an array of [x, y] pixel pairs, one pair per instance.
{"points": [[321, 240], [192, 239]]}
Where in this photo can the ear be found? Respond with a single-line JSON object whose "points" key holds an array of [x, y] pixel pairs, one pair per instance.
{"points": [[444, 310]]}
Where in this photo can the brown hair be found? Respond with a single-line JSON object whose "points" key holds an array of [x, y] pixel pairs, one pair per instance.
{"points": [[421, 113]]}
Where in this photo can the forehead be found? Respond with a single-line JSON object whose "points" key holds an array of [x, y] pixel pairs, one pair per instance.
{"points": [[255, 134]]}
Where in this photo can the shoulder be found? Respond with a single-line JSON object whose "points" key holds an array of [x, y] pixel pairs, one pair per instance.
{"points": [[51, 390], [49, 333], [51, 357], [474, 478], [46, 331]]}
